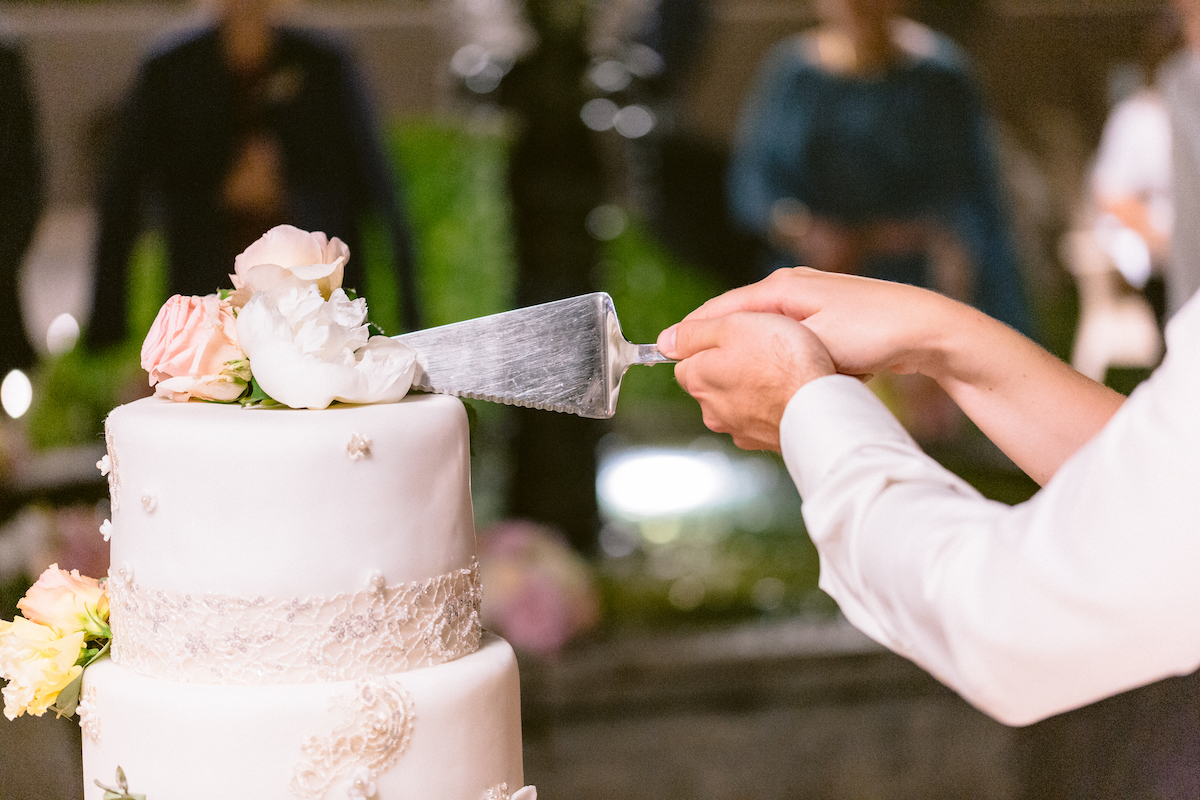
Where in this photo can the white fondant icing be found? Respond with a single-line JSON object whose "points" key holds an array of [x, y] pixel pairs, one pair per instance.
{"points": [[177, 741], [305, 612], [110, 469], [265, 502]]}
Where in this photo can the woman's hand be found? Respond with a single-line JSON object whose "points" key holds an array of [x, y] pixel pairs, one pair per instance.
{"points": [[867, 325]]}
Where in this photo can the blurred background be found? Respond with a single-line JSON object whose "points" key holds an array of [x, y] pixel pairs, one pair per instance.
{"points": [[656, 581]]}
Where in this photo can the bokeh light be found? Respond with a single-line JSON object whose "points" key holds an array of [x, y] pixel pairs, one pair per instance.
{"points": [[16, 394]]}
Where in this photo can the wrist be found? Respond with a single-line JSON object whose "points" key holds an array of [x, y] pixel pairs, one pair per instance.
{"points": [[948, 344]]}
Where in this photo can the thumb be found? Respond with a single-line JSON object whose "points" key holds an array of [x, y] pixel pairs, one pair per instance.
{"points": [[685, 339]]}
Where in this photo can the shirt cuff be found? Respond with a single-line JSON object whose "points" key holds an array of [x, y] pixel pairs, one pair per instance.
{"points": [[826, 420]]}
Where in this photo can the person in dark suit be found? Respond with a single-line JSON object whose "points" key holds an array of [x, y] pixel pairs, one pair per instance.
{"points": [[229, 130], [21, 199]]}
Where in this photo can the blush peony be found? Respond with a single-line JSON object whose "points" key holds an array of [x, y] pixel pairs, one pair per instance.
{"points": [[286, 255], [67, 602], [192, 350], [307, 351]]}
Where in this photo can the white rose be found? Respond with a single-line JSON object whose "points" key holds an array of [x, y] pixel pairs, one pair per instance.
{"points": [[307, 352], [286, 255]]}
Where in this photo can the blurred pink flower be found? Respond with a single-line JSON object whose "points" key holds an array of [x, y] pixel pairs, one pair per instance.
{"points": [[537, 592]]}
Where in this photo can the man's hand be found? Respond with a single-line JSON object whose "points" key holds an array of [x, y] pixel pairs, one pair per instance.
{"points": [[743, 368]]}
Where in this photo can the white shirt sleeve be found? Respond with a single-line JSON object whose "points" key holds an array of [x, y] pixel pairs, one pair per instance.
{"points": [[1090, 588]]}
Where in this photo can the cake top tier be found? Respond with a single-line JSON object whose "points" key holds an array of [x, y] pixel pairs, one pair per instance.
{"points": [[280, 545], [209, 497]]}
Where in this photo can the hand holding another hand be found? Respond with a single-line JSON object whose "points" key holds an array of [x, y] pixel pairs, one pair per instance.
{"points": [[743, 368], [745, 353]]}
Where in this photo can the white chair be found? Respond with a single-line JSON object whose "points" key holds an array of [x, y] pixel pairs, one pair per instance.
{"points": [[1116, 326]]}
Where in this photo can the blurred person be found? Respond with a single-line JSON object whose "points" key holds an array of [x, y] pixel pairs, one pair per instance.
{"points": [[229, 130], [1085, 590], [864, 148], [1179, 80], [1131, 189], [21, 201], [1130, 183]]}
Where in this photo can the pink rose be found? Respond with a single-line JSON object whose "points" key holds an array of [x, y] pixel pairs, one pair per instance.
{"points": [[67, 603], [286, 255], [192, 350]]}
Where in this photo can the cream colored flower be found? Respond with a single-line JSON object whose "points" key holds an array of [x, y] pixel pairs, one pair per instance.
{"points": [[37, 663], [286, 255], [307, 352]]}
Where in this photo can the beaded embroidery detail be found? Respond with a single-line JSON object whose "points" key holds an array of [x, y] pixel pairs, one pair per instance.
{"points": [[373, 735], [220, 638]]}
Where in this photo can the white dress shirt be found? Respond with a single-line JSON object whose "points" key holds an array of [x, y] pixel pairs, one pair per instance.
{"points": [[1090, 588]]}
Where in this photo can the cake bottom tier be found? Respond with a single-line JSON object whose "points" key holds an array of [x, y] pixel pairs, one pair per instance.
{"points": [[451, 732]]}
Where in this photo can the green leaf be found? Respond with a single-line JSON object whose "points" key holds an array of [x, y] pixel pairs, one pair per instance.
{"points": [[121, 791], [68, 698], [258, 396]]}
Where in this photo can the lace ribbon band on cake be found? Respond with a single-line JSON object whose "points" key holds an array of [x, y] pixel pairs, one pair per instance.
{"points": [[220, 638]]}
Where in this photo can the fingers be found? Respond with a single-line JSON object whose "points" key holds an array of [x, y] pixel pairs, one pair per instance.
{"points": [[744, 368], [757, 297], [765, 296]]}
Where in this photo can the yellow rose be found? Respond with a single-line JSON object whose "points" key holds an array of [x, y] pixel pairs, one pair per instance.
{"points": [[67, 602], [37, 663]]}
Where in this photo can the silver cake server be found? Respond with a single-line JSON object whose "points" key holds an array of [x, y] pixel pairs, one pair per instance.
{"points": [[566, 355]]}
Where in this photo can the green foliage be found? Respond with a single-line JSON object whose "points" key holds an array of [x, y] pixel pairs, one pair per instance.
{"points": [[652, 289], [454, 181], [741, 575], [73, 394]]}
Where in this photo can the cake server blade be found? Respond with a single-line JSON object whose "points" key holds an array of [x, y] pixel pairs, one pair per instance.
{"points": [[566, 355]]}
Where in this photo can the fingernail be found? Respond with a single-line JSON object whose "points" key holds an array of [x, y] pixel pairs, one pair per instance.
{"points": [[666, 341]]}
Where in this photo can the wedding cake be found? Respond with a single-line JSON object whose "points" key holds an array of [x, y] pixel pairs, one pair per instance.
{"points": [[293, 595], [295, 609]]}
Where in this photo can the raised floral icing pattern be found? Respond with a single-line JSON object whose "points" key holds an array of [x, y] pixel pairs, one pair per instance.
{"points": [[374, 733], [113, 469], [501, 793], [89, 714], [221, 638]]}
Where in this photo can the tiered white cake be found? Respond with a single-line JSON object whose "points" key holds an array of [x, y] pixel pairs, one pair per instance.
{"points": [[295, 609]]}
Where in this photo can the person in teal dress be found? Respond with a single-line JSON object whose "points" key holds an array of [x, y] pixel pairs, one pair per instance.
{"points": [[864, 147]]}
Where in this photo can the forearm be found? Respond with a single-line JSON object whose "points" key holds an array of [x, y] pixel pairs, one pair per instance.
{"points": [[1034, 407]]}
